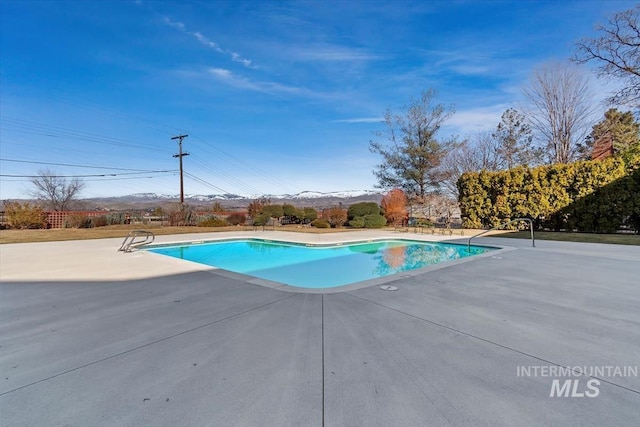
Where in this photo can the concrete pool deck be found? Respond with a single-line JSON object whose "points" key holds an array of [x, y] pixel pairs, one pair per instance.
{"points": [[90, 336]]}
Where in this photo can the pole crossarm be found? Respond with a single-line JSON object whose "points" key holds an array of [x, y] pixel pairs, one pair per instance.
{"points": [[180, 155]]}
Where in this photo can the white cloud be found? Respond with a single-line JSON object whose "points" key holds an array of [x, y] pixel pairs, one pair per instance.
{"points": [[221, 73], [226, 76], [205, 41], [476, 119], [236, 57], [178, 25]]}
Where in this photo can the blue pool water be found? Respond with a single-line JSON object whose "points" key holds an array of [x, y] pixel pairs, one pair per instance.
{"points": [[319, 266]]}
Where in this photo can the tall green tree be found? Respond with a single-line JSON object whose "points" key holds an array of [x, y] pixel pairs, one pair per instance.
{"points": [[514, 138], [619, 129], [411, 152]]}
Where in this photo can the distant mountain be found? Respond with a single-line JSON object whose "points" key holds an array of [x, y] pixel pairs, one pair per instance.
{"points": [[348, 194], [198, 197], [315, 199]]}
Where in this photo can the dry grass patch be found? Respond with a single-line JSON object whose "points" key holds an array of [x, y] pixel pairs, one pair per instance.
{"points": [[29, 236]]}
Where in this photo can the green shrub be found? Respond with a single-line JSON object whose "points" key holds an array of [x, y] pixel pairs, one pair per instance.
{"points": [[116, 218], [374, 221], [261, 219], [212, 222], [320, 223], [274, 211], [357, 222], [237, 218], [362, 209], [288, 210], [424, 222], [594, 196], [310, 214]]}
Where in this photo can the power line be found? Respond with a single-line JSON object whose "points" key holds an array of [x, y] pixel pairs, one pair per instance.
{"points": [[91, 180], [208, 184], [248, 167], [25, 126], [73, 165], [122, 179], [30, 127], [85, 176], [227, 177]]}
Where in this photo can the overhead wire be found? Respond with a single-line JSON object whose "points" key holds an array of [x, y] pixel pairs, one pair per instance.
{"points": [[83, 103], [246, 166], [73, 165], [26, 126], [30, 127], [227, 178], [208, 184], [85, 176], [92, 180]]}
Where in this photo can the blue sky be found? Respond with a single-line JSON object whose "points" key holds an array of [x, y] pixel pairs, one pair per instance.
{"points": [[277, 97]]}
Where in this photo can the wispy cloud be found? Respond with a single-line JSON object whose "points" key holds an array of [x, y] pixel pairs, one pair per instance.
{"points": [[466, 61], [240, 82], [236, 57], [476, 119], [325, 52], [360, 120]]}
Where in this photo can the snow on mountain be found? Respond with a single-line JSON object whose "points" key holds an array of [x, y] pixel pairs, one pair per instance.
{"points": [[209, 197], [152, 196], [199, 197], [347, 194]]}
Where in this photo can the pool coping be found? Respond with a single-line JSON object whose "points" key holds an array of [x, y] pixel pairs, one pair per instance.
{"points": [[379, 281]]}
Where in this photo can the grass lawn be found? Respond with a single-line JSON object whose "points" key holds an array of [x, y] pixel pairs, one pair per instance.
{"points": [[618, 239], [27, 236], [59, 234]]}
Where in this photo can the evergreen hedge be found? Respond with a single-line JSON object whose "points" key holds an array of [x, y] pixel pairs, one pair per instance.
{"points": [[594, 196], [362, 209]]}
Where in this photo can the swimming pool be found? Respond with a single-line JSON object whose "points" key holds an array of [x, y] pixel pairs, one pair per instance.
{"points": [[321, 266]]}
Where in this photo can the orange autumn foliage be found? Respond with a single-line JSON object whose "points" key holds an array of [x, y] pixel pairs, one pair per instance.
{"points": [[394, 204]]}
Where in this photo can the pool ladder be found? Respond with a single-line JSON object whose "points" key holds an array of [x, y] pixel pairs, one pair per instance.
{"points": [[533, 241], [131, 243]]}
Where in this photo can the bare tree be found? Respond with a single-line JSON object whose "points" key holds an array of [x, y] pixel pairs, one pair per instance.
{"points": [[55, 191], [617, 51], [561, 109], [412, 155], [479, 153]]}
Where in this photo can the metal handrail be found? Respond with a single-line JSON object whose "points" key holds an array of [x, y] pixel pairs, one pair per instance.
{"points": [[130, 241], [533, 241]]}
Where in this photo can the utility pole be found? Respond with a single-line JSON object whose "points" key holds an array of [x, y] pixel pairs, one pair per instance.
{"points": [[180, 155]]}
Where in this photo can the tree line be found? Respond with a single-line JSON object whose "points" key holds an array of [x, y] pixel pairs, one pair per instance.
{"points": [[557, 127]]}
